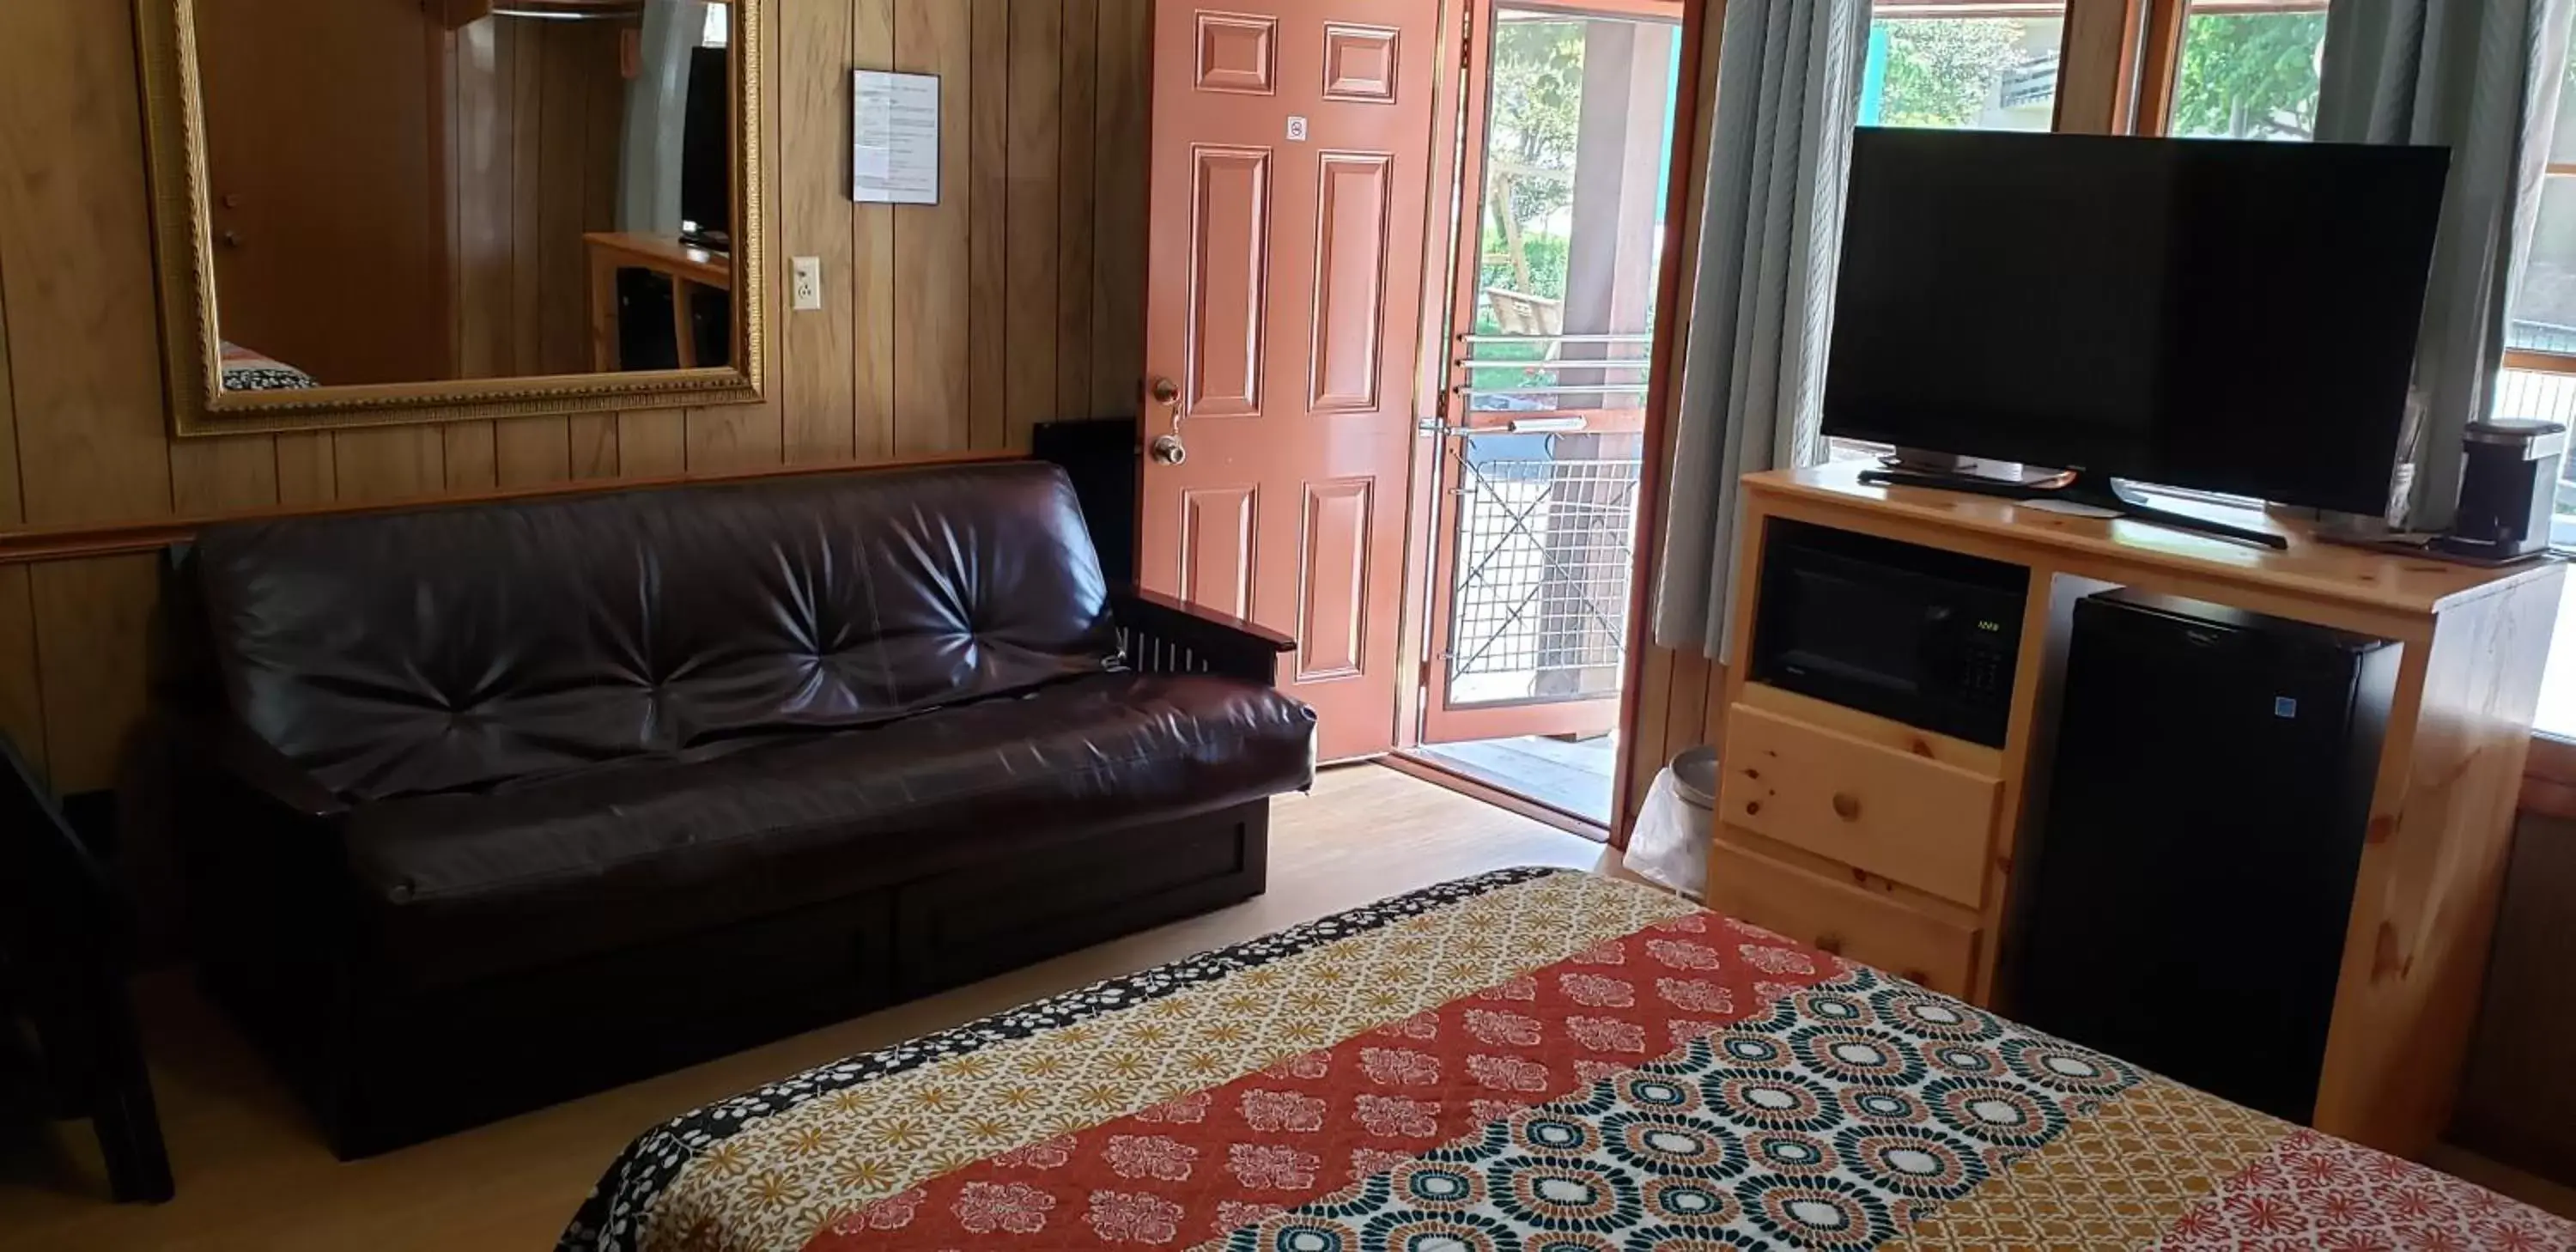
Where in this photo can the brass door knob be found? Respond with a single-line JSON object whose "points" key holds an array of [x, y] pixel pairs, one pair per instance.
{"points": [[1167, 450]]}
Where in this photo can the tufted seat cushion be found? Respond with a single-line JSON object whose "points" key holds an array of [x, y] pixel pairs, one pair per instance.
{"points": [[535, 638], [623, 854]]}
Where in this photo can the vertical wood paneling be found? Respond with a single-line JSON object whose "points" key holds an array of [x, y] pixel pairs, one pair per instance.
{"points": [[76, 266], [1029, 389], [308, 470], [932, 392], [573, 51], [482, 93], [466, 456], [590, 439], [528, 450], [527, 198], [12, 507], [593, 444], [815, 389], [393, 463], [988, 173], [652, 443], [1122, 139], [221, 475], [872, 264], [1076, 122], [22, 702], [93, 622]]}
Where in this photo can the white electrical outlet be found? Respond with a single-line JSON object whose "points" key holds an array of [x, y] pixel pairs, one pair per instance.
{"points": [[807, 286]]}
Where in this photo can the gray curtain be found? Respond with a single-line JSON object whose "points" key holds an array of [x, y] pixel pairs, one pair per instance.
{"points": [[2478, 77], [1753, 367]]}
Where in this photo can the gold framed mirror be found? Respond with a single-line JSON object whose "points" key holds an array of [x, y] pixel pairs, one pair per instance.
{"points": [[380, 212]]}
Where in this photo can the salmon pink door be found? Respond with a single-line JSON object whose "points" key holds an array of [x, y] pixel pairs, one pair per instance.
{"points": [[1292, 145]]}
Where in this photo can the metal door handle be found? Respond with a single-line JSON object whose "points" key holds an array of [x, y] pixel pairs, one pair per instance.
{"points": [[1167, 448]]}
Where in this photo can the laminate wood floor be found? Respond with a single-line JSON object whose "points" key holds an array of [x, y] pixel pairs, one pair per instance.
{"points": [[253, 1173]]}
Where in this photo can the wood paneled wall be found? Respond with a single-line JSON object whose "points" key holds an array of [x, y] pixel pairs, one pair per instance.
{"points": [[2516, 1104], [1017, 299], [536, 126]]}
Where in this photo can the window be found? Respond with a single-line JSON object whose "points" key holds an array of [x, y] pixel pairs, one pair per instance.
{"points": [[2539, 376], [2247, 69], [1995, 69], [1945, 65]]}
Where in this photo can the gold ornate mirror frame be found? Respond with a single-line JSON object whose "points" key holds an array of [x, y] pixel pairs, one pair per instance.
{"points": [[174, 115]]}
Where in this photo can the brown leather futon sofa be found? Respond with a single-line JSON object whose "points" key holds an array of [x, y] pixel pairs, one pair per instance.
{"points": [[487, 806]]}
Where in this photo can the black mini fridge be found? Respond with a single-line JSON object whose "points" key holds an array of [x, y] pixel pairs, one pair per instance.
{"points": [[2205, 812]]}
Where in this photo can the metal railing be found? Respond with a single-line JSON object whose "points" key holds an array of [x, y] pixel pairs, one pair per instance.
{"points": [[1545, 551]]}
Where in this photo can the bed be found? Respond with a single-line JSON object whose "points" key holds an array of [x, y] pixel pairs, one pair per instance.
{"points": [[247, 369], [1530, 1060]]}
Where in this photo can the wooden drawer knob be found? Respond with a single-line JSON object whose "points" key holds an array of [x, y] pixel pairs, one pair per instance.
{"points": [[1846, 806]]}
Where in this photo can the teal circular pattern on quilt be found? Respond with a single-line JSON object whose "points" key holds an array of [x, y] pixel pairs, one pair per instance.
{"points": [[1914, 1161], [1835, 1007], [1829, 1214], [1925, 1015], [1656, 1091], [2065, 1067], [1548, 1193], [1790, 1153], [1966, 1060], [1689, 1202], [1883, 1104], [1993, 1113], [1753, 1051], [1438, 1186], [1686, 1239], [1767, 1100], [1406, 1231], [1858, 1055], [1565, 1241], [1295, 1232], [1673, 1144], [1553, 1134]]}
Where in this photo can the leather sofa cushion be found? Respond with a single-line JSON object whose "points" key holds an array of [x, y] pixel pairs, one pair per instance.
{"points": [[463, 885], [411, 653]]}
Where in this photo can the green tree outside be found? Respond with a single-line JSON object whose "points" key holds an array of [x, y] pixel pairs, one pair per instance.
{"points": [[2249, 76]]}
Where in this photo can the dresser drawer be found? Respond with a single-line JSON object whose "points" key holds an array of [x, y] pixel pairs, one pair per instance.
{"points": [[1845, 920], [1909, 818]]}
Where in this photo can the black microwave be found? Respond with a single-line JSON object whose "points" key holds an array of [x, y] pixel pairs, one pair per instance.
{"points": [[1916, 634]]}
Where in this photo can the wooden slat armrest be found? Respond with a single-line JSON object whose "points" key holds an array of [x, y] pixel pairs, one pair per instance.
{"points": [[1152, 604], [226, 747], [1163, 635]]}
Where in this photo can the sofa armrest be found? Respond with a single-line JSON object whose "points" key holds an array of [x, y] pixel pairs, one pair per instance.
{"points": [[1164, 635], [222, 746]]}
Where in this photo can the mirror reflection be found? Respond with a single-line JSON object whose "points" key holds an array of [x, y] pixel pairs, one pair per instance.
{"points": [[407, 191]]}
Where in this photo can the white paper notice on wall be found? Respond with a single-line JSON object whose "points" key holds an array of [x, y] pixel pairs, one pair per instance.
{"points": [[894, 158]]}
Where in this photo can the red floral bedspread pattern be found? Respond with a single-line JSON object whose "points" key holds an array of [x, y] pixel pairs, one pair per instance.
{"points": [[1198, 1167]]}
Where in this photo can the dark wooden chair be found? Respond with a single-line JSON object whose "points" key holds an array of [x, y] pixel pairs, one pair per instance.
{"points": [[65, 950]]}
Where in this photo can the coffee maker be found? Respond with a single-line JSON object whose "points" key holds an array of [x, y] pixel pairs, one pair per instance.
{"points": [[2508, 489]]}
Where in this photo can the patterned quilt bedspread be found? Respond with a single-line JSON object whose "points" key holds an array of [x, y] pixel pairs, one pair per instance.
{"points": [[1526, 1061], [249, 370]]}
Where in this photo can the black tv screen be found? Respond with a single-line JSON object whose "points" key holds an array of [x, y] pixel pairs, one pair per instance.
{"points": [[2228, 316]]}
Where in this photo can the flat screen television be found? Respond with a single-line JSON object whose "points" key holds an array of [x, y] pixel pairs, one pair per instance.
{"points": [[2234, 317]]}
